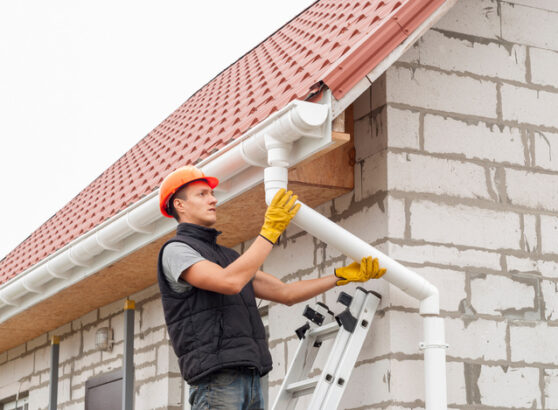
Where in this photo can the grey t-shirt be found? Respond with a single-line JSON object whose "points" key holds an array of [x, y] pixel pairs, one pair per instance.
{"points": [[177, 257]]}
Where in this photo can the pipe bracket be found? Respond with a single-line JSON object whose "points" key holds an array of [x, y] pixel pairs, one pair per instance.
{"points": [[424, 346]]}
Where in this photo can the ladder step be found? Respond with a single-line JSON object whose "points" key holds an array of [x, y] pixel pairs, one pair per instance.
{"points": [[322, 332], [303, 386]]}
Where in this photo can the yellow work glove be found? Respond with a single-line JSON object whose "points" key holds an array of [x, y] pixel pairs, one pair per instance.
{"points": [[278, 215], [368, 268]]}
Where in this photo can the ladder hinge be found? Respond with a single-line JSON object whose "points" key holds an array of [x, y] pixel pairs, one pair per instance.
{"points": [[347, 320], [301, 331]]}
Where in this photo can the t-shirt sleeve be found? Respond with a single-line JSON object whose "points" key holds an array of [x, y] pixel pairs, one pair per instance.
{"points": [[177, 257]]}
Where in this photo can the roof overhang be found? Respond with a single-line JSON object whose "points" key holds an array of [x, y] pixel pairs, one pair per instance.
{"points": [[117, 258]]}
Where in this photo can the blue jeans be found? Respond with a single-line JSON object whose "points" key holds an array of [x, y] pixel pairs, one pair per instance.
{"points": [[228, 389]]}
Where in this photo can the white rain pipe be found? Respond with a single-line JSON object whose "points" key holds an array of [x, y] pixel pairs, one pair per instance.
{"points": [[434, 346]]}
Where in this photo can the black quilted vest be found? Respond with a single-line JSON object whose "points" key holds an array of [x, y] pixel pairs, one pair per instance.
{"points": [[210, 331]]}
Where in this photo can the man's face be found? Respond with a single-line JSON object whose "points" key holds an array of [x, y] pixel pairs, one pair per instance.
{"points": [[200, 204]]}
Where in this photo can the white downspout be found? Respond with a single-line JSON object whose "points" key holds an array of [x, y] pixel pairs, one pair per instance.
{"points": [[276, 176]]}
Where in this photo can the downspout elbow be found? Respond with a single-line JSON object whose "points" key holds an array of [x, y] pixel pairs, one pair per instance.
{"points": [[430, 305]]}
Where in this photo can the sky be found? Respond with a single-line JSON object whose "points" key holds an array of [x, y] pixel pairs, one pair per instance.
{"points": [[81, 82]]}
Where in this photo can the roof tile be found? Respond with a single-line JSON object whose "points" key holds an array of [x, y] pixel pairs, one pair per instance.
{"points": [[283, 67]]}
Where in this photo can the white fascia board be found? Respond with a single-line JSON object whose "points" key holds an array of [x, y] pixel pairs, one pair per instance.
{"points": [[239, 167]]}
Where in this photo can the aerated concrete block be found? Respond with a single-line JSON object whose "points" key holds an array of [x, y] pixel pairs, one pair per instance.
{"points": [[474, 17], [549, 234], [473, 55], [546, 149], [470, 226], [479, 339], [534, 343], [517, 26], [475, 140], [441, 91], [529, 106], [427, 174], [509, 387], [511, 295], [534, 190]]}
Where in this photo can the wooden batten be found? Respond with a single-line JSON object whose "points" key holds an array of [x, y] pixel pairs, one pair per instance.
{"points": [[324, 176]]}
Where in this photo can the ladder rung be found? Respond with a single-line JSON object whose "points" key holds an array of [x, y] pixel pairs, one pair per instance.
{"points": [[326, 330], [301, 387]]}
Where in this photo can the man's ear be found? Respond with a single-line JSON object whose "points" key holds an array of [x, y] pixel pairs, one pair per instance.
{"points": [[178, 204]]}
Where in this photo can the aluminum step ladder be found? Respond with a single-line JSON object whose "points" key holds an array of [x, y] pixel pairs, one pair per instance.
{"points": [[349, 329]]}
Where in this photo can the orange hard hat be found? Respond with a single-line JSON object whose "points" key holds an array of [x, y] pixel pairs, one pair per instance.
{"points": [[176, 180]]}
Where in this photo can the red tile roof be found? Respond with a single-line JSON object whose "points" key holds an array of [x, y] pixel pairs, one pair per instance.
{"points": [[334, 41]]}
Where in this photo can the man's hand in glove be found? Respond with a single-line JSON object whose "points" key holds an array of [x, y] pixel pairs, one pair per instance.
{"points": [[278, 215], [367, 269]]}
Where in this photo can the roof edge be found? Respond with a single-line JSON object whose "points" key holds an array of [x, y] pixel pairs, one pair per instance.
{"points": [[378, 45], [239, 167]]}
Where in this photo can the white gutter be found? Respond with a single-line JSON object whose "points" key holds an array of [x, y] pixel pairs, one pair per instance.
{"points": [[282, 140], [142, 223]]}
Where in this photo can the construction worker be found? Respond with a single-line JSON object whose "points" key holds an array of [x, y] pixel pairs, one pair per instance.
{"points": [[209, 293]]}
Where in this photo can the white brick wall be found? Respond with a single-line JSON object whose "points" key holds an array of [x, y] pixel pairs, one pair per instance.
{"points": [[81, 360], [369, 225], [517, 26], [551, 388], [477, 140], [369, 384], [515, 99], [373, 176], [543, 66], [296, 255], [510, 295], [445, 255], [534, 344], [545, 268], [473, 17], [550, 5], [370, 134], [468, 55], [509, 387], [422, 173], [403, 128], [442, 92], [546, 150], [550, 297], [470, 226], [532, 189], [477, 340], [549, 234]]}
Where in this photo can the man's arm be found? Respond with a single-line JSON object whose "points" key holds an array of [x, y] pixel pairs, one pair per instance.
{"points": [[230, 280], [268, 287]]}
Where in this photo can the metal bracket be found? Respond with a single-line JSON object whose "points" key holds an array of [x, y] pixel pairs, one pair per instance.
{"points": [[424, 346], [301, 331]]}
